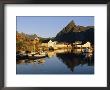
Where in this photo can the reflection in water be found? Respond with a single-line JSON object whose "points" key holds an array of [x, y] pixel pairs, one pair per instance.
{"points": [[71, 60], [51, 54], [41, 61], [58, 61]]}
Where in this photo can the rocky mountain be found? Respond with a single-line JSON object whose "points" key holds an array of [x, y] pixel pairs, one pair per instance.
{"points": [[73, 32]]}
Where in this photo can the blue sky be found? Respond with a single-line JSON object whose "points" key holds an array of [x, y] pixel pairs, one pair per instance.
{"points": [[49, 26]]}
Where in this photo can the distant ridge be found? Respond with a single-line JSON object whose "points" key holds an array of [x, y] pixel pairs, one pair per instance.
{"points": [[73, 32]]}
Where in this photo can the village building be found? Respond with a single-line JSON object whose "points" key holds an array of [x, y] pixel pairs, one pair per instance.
{"points": [[84, 47], [77, 45], [51, 44], [56, 45]]}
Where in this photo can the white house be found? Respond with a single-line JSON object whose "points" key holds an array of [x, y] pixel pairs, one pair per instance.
{"points": [[87, 45], [51, 44]]}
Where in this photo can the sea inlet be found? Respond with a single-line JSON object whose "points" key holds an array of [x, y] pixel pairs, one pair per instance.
{"points": [[58, 62]]}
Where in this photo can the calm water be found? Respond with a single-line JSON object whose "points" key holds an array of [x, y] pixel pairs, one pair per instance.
{"points": [[58, 62]]}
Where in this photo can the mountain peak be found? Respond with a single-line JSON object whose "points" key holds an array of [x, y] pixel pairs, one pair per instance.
{"points": [[72, 23], [73, 32]]}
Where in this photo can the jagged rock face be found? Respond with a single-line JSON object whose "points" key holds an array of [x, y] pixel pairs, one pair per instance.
{"points": [[72, 33], [70, 26]]}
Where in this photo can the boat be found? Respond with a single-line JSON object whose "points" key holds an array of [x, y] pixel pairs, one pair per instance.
{"points": [[21, 56], [37, 56], [31, 56]]}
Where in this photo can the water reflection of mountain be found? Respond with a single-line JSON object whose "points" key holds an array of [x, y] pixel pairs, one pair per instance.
{"points": [[72, 60]]}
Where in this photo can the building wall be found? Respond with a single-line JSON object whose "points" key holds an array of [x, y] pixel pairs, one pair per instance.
{"points": [[51, 44], [88, 44]]}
